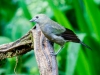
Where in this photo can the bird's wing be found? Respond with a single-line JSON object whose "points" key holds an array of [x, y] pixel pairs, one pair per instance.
{"points": [[56, 28], [70, 35]]}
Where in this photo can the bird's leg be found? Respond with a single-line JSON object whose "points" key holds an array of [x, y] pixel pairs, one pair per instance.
{"points": [[57, 51], [59, 40]]}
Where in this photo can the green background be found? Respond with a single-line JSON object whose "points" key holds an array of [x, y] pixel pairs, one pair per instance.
{"points": [[81, 16]]}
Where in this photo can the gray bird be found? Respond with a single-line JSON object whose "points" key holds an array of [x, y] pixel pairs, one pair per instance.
{"points": [[55, 32]]}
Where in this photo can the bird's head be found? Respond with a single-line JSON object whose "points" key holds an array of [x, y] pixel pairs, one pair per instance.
{"points": [[40, 18]]}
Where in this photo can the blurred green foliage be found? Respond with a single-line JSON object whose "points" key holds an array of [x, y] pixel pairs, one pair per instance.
{"points": [[82, 16]]}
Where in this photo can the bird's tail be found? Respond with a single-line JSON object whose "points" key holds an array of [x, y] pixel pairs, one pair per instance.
{"points": [[85, 45], [69, 35]]}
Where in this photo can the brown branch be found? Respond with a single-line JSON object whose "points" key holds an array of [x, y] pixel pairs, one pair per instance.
{"points": [[16, 48], [42, 48]]}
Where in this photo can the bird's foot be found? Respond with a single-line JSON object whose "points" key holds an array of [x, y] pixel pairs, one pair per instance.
{"points": [[53, 54]]}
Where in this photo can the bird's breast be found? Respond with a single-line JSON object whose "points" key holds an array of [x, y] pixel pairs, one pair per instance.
{"points": [[46, 31]]}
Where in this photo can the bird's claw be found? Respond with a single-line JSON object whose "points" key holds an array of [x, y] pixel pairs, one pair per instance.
{"points": [[53, 54]]}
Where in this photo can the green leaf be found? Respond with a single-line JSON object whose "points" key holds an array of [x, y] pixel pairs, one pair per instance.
{"points": [[94, 15], [59, 15], [21, 27], [4, 40], [80, 17], [25, 9], [73, 52]]}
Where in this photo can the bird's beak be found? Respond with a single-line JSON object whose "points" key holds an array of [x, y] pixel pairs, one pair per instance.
{"points": [[32, 20]]}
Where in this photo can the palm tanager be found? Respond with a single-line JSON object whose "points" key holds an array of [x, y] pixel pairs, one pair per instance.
{"points": [[55, 32]]}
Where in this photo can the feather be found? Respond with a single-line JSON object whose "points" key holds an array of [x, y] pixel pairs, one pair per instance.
{"points": [[86, 45], [70, 35]]}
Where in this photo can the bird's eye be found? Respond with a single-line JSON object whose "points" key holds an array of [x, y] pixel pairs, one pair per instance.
{"points": [[37, 17]]}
